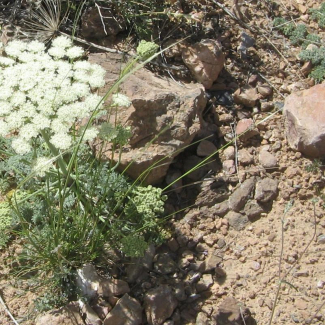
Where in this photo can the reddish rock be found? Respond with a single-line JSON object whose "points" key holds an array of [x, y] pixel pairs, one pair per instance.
{"points": [[267, 160], [246, 96], [246, 125], [205, 60], [305, 121]]}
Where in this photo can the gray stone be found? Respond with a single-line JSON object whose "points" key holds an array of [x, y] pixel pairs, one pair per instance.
{"points": [[159, 107], [243, 192], [253, 210], [305, 121], [159, 304], [266, 190], [229, 153], [87, 281], [127, 311], [236, 220], [267, 160]]}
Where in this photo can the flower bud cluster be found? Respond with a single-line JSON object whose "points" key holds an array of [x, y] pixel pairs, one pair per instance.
{"points": [[46, 91]]}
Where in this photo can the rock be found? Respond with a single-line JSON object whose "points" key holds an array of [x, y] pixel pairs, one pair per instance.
{"points": [[197, 173], [206, 148], [205, 61], [229, 153], [265, 91], [204, 283], [87, 281], [229, 167], [246, 42], [64, 316], [127, 311], [165, 264], [159, 304], [159, 106], [246, 125], [253, 210], [95, 28], [140, 265], [210, 263], [266, 190], [236, 220], [91, 284], [91, 318], [239, 197], [305, 121], [244, 157], [112, 287], [246, 96], [232, 313], [202, 319], [267, 160]]}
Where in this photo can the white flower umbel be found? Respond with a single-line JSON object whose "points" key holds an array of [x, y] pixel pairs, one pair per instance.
{"points": [[121, 100], [44, 94], [42, 165]]}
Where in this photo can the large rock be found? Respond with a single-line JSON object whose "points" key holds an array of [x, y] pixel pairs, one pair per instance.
{"points": [[266, 189], [127, 311], [305, 121], [159, 107], [159, 304], [205, 61]]}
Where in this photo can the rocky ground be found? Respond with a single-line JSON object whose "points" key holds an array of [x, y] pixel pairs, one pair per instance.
{"points": [[252, 218]]}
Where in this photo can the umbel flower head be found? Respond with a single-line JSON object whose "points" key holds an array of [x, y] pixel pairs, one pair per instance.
{"points": [[46, 92]]}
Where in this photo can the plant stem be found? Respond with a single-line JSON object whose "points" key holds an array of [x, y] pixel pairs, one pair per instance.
{"points": [[56, 153]]}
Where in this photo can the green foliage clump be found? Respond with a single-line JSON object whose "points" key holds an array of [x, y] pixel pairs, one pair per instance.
{"points": [[319, 15], [317, 57], [146, 49], [296, 33], [311, 39], [5, 222]]}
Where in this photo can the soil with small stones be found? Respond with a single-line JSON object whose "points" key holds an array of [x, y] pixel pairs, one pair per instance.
{"points": [[282, 241]]}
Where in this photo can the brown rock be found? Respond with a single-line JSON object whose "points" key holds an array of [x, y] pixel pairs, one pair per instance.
{"points": [[267, 160], [232, 313], [92, 24], [244, 157], [305, 121], [246, 96], [265, 91], [112, 287], [229, 167], [127, 311], [159, 304], [205, 61], [159, 106]]}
